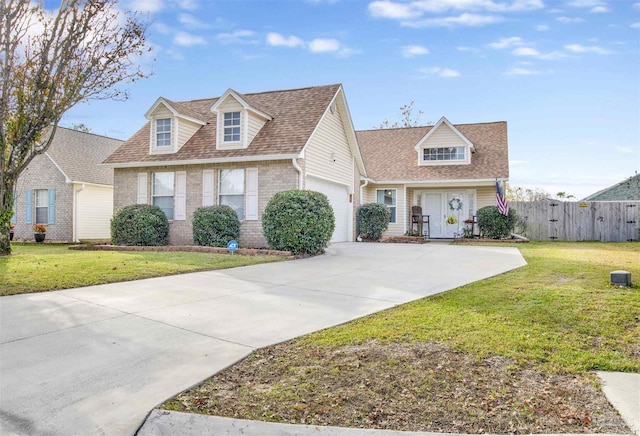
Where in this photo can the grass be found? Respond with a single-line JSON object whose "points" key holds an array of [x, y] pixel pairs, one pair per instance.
{"points": [[47, 267], [558, 313]]}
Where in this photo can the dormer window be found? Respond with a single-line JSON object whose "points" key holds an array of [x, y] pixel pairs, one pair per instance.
{"points": [[232, 127], [163, 132], [443, 154]]}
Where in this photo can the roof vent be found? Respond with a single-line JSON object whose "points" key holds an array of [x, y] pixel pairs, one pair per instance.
{"points": [[332, 108]]}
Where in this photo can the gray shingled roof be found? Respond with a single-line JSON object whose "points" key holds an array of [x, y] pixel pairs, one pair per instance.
{"points": [[295, 112], [78, 154], [627, 190], [389, 154]]}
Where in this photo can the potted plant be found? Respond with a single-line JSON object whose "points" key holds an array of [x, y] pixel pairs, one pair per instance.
{"points": [[11, 227], [39, 232]]}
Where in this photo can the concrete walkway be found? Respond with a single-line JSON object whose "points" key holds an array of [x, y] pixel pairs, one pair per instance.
{"points": [[622, 389], [96, 360]]}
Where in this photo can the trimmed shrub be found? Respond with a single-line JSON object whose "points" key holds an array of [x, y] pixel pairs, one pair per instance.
{"points": [[493, 224], [215, 226], [140, 224], [298, 221], [372, 220]]}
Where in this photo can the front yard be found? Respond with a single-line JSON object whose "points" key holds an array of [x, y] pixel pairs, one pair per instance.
{"points": [[47, 267], [511, 354]]}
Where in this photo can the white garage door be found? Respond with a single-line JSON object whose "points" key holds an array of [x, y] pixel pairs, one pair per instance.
{"points": [[339, 198]]}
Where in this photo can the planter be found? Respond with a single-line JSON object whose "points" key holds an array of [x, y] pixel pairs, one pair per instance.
{"points": [[39, 237], [11, 235]]}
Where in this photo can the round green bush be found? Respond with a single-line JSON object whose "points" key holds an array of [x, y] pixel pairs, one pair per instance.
{"points": [[298, 221], [372, 220], [215, 226], [140, 224], [493, 224]]}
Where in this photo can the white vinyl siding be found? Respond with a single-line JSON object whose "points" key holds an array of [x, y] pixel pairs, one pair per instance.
{"points": [[397, 228], [444, 138], [230, 105], [185, 130], [94, 210], [207, 188], [485, 196], [254, 124], [328, 154]]}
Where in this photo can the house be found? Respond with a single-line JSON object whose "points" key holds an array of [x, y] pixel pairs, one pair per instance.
{"points": [[241, 149], [66, 190], [627, 190], [450, 171]]}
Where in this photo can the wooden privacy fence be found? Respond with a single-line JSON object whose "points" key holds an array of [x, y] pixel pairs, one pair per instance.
{"points": [[607, 221]]}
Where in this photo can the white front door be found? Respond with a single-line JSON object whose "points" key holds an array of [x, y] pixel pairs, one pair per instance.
{"points": [[447, 212]]}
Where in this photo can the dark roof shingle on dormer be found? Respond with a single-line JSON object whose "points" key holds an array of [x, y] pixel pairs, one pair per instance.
{"points": [[389, 154], [295, 112]]}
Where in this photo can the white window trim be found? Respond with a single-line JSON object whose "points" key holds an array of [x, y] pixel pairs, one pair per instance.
{"points": [[244, 190], [153, 194], [153, 136], [465, 161], [395, 206], [36, 207]]}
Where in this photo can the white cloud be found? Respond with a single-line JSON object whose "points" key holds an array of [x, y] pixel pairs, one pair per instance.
{"points": [[553, 56], [526, 51], [502, 43], [599, 10], [440, 72], [636, 6], [410, 51], [595, 6], [277, 40], [569, 19], [577, 48], [322, 45], [392, 10], [469, 49], [237, 37], [635, 25], [626, 150], [146, 5], [192, 22], [542, 27], [190, 5], [522, 72], [466, 20], [161, 28], [555, 11], [184, 39]]}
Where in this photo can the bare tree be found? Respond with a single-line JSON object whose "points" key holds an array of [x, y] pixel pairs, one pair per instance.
{"points": [[81, 127], [49, 62], [408, 119], [518, 193]]}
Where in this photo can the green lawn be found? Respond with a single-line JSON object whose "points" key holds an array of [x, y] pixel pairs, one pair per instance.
{"points": [[558, 313], [46, 267]]}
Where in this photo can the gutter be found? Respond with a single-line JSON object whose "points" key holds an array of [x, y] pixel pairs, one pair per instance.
{"points": [[200, 161], [294, 162], [366, 182]]}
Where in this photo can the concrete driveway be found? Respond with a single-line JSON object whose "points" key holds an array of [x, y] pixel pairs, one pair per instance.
{"points": [[96, 360]]}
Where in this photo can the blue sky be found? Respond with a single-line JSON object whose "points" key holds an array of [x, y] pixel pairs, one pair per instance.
{"points": [[564, 74]]}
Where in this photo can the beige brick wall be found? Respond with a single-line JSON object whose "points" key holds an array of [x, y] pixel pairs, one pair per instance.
{"points": [[273, 177]]}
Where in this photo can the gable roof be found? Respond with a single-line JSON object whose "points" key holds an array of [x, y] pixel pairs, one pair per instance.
{"points": [[446, 122], [627, 190], [295, 112], [390, 154], [244, 101], [178, 109], [77, 155]]}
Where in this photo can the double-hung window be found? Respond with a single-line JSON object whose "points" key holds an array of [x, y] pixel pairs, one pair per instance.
{"points": [[231, 191], [443, 154], [232, 127], [388, 198], [42, 206], [163, 132], [163, 192]]}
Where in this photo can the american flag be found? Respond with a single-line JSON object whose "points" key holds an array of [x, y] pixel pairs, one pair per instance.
{"points": [[503, 206]]}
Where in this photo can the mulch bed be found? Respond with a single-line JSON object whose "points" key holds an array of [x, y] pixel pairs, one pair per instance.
{"points": [[187, 248], [420, 386], [473, 240], [404, 239]]}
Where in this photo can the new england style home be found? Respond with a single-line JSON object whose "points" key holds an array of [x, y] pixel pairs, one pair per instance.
{"points": [[241, 149]]}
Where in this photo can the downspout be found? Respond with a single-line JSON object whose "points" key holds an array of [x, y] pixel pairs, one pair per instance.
{"points": [[75, 212], [366, 182], [294, 161]]}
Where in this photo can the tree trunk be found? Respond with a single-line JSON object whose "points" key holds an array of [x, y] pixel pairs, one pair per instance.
{"points": [[7, 187]]}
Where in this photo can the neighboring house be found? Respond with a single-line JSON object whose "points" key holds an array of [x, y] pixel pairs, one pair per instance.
{"points": [[240, 150], [450, 171], [66, 190], [627, 190]]}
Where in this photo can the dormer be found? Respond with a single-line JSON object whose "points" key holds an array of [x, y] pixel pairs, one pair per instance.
{"points": [[171, 126], [444, 145], [238, 120]]}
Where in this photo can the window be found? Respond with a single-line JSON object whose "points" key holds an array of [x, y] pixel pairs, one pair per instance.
{"points": [[232, 127], [443, 154], [388, 198], [232, 190], [163, 191], [163, 132], [42, 206]]}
